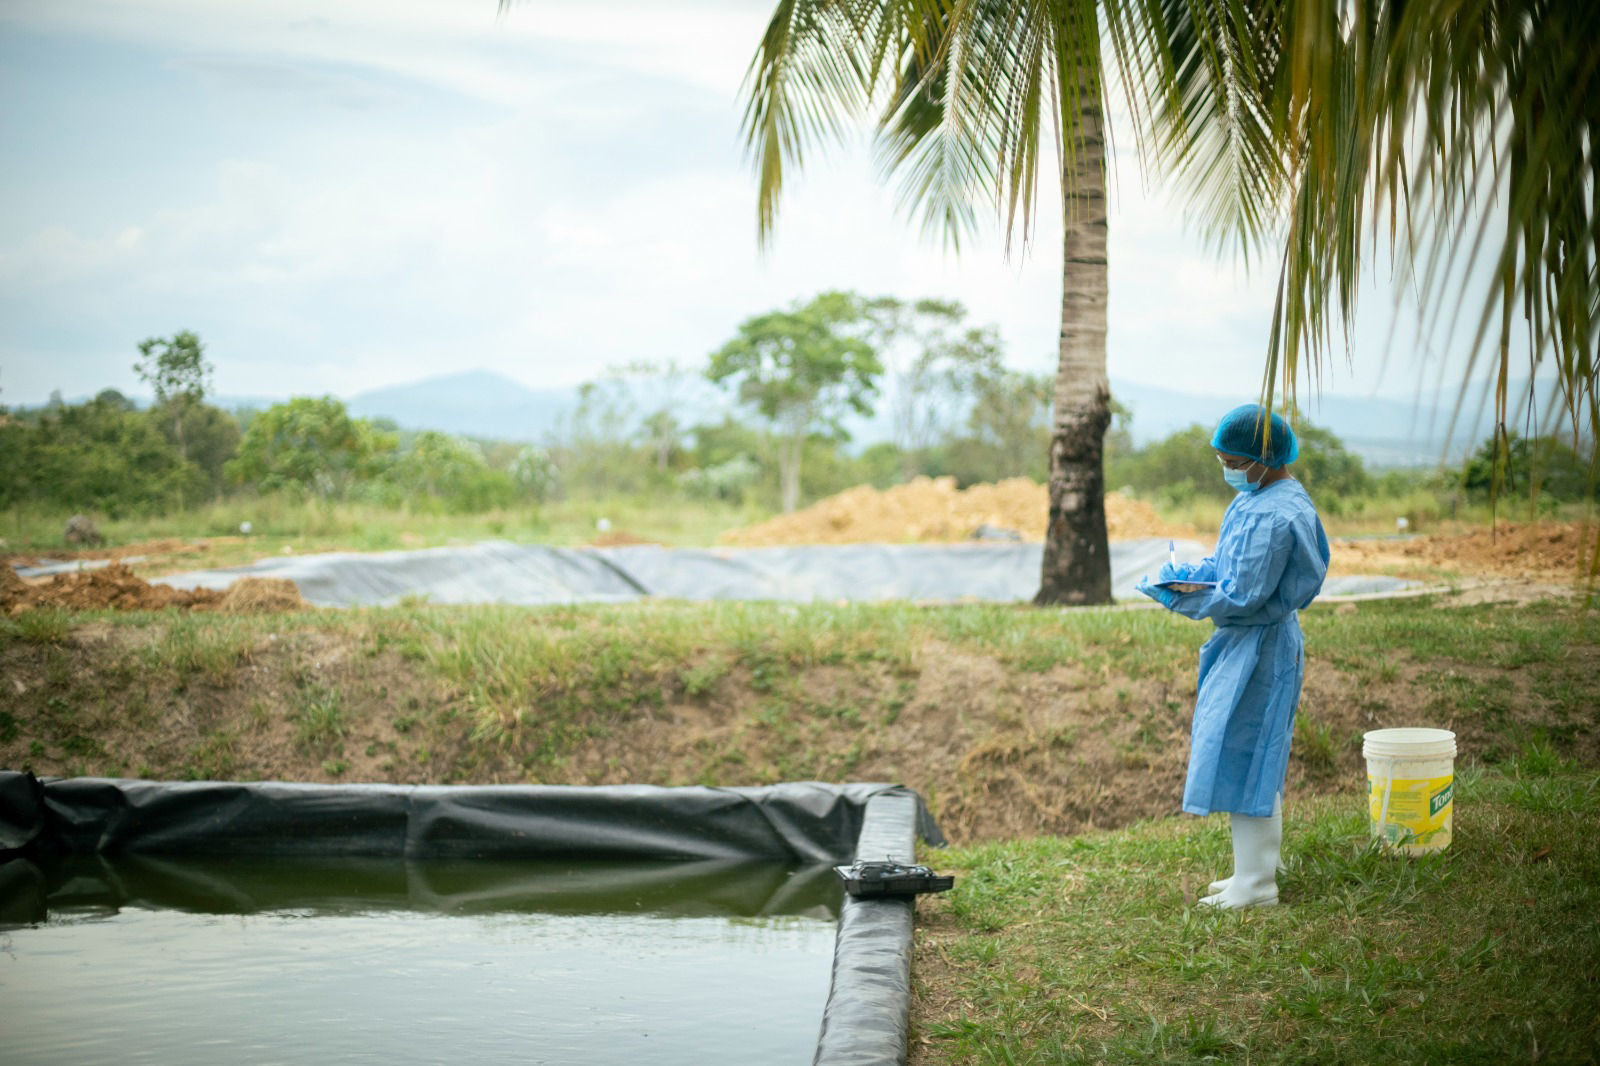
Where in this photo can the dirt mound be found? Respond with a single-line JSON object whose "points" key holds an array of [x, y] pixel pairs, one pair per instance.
{"points": [[12, 587], [1559, 550], [113, 586], [933, 509], [253, 595], [116, 587]]}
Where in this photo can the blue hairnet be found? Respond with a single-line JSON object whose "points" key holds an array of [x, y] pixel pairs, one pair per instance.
{"points": [[1243, 431]]}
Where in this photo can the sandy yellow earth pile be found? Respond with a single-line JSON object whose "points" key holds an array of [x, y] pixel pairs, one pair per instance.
{"points": [[933, 509]]}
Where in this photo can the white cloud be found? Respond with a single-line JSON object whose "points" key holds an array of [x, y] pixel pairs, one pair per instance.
{"points": [[596, 213], [464, 46]]}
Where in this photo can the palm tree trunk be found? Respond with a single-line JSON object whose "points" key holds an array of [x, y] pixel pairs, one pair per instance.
{"points": [[1077, 563]]}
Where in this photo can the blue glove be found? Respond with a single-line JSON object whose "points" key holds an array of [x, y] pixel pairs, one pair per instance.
{"points": [[1165, 597], [1180, 572]]}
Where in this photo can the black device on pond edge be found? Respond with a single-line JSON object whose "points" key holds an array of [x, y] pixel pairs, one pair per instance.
{"points": [[864, 878]]}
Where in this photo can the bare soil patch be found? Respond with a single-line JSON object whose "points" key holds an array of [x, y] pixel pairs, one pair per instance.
{"points": [[116, 587], [1552, 552]]}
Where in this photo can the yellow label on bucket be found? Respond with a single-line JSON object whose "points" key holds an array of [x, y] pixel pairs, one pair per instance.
{"points": [[1413, 814]]}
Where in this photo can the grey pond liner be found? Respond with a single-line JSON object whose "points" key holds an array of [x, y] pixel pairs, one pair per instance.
{"points": [[864, 1022], [531, 575]]}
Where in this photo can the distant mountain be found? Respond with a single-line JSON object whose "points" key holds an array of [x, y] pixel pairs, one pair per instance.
{"points": [[474, 403]]}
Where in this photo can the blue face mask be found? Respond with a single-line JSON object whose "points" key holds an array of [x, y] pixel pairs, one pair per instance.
{"points": [[1237, 481]]}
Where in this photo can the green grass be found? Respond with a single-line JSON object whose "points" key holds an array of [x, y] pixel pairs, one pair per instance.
{"points": [[1087, 950], [791, 691], [539, 672], [199, 645], [280, 522], [38, 625], [319, 719]]}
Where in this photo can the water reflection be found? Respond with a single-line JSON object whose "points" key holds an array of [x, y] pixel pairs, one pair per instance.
{"points": [[362, 960], [31, 890]]}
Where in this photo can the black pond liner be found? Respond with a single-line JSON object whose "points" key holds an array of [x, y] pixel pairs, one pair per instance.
{"points": [[864, 1022]]}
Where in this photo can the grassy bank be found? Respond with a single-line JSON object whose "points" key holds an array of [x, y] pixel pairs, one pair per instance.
{"points": [[1089, 950], [1011, 721]]}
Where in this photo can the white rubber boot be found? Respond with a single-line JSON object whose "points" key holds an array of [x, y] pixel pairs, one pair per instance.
{"points": [[1256, 844], [1216, 887]]}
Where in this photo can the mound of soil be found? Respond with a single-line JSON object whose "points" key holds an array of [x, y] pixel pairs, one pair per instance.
{"points": [[262, 594], [933, 509], [116, 587], [1559, 551]]}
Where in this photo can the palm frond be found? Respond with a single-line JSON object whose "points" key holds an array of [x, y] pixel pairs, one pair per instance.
{"points": [[810, 76], [1472, 127], [1201, 86]]}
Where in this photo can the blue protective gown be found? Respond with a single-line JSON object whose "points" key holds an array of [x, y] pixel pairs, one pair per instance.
{"points": [[1272, 556]]}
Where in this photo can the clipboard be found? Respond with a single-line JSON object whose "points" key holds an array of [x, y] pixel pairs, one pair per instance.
{"points": [[1185, 586]]}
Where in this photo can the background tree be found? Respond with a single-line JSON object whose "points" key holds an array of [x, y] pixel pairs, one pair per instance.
{"points": [[667, 389], [948, 378], [913, 341], [1329, 471], [535, 473], [1173, 470], [101, 456], [801, 369], [435, 470], [730, 461], [593, 444], [310, 445], [211, 439], [176, 369], [1007, 432], [1540, 466]]}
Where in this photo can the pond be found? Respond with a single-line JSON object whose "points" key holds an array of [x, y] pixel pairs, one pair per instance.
{"points": [[259, 961]]}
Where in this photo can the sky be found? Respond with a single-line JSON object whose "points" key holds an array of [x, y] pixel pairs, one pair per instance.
{"points": [[342, 195]]}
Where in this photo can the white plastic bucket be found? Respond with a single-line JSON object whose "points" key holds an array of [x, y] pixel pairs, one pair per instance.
{"points": [[1410, 787]]}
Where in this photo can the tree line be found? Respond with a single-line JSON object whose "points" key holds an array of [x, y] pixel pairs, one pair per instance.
{"points": [[794, 374], [955, 411]]}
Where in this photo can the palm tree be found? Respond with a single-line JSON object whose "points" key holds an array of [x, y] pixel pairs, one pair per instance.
{"points": [[967, 94]]}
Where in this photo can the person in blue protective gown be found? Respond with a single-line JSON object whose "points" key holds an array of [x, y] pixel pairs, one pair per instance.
{"points": [[1271, 558]]}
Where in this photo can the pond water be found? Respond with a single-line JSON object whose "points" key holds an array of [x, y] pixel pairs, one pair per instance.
{"points": [[279, 961]]}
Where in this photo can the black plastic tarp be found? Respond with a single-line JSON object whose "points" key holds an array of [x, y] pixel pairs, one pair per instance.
{"points": [[792, 822], [865, 1022], [51, 830]]}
